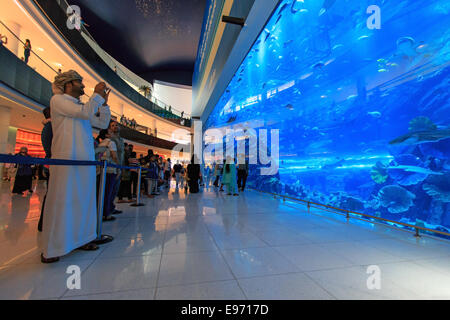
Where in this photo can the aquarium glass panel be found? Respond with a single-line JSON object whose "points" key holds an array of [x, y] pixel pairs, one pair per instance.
{"points": [[362, 105]]}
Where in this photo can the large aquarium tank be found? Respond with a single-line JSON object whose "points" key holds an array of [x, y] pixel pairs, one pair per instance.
{"points": [[360, 93]]}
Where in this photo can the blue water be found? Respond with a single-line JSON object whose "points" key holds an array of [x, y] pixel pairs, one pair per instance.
{"points": [[363, 114]]}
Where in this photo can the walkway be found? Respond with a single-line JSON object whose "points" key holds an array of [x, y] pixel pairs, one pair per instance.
{"points": [[212, 246]]}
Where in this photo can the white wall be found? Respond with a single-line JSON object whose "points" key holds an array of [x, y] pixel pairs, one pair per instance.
{"points": [[177, 96]]}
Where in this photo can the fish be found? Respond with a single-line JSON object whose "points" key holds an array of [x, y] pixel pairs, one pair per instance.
{"points": [[421, 137], [337, 46], [382, 70], [289, 107], [333, 165], [319, 65], [375, 114], [405, 47], [327, 4], [351, 96], [415, 169], [287, 43], [303, 77], [363, 37]]}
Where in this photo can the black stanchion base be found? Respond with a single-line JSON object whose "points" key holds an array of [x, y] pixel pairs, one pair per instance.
{"points": [[103, 239], [137, 205]]}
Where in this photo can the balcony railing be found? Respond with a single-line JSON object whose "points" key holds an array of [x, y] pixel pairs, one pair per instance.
{"points": [[21, 77]]}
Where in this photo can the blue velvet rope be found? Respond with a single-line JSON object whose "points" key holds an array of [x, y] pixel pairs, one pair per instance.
{"points": [[6, 158]]}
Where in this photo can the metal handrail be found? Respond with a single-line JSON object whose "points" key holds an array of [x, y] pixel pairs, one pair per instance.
{"points": [[9, 30], [309, 203]]}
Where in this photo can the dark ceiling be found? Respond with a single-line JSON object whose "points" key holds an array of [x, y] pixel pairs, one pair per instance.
{"points": [[156, 39]]}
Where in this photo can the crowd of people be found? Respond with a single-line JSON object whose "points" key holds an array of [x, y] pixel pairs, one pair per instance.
{"points": [[130, 123]]}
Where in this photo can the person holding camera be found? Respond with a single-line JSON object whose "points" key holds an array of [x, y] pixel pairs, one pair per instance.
{"points": [[70, 213]]}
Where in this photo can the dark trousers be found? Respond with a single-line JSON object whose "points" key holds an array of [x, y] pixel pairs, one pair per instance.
{"points": [[110, 193], [134, 182], [242, 179], [193, 186], [116, 190], [144, 182], [216, 182], [41, 218], [125, 189]]}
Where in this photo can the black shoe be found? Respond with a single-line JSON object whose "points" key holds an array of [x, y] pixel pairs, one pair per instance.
{"points": [[235, 194], [117, 212], [49, 260], [110, 218]]}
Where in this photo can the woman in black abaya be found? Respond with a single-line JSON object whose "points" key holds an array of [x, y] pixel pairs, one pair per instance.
{"points": [[24, 175], [193, 172]]}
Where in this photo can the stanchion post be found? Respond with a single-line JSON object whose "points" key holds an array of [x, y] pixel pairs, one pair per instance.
{"points": [[417, 235], [309, 207], [138, 194], [101, 238]]}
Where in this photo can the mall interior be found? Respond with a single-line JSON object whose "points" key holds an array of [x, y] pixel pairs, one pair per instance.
{"points": [[282, 150]]}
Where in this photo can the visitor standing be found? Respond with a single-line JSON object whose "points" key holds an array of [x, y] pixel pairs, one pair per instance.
{"points": [[70, 213], [242, 174], [229, 177], [24, 175], [46, 139], [27, 51], [193, 173], [114, 130]]}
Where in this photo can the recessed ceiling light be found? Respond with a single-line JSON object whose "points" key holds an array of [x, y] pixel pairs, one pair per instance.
{"points": [[40, 49], [58, 64]]}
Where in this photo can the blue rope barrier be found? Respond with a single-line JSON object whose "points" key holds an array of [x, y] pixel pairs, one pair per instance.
{"points": [[6, 158]]}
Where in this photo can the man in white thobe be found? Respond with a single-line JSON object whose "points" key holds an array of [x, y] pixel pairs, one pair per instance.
{"points": [[70, 213]]}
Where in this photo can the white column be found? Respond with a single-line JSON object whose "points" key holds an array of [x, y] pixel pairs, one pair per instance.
{"points": [[120, 109], [13, 43], [5, 117]]}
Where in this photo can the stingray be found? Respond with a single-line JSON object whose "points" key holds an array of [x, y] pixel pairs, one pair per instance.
{"points": [[419, 137]]}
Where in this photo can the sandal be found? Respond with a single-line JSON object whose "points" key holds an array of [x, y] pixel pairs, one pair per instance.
{"points": [[89, 247], [48, 260]]}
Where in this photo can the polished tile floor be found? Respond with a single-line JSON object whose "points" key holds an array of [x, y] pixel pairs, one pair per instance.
{"points": [[213, 246]]}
